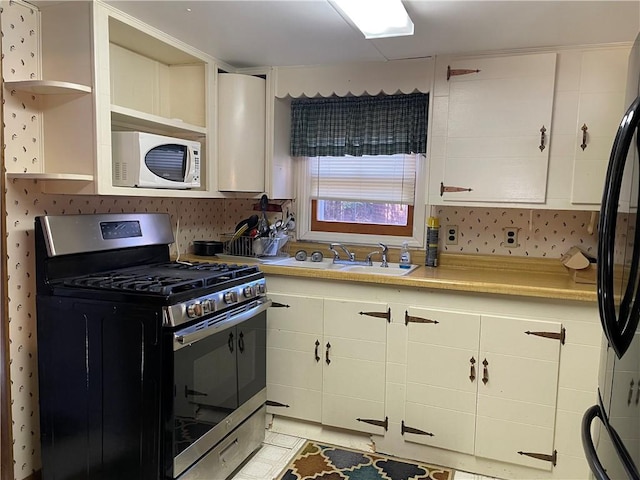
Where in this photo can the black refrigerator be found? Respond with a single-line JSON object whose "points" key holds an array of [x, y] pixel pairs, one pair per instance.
{"points": [[611, 428]]}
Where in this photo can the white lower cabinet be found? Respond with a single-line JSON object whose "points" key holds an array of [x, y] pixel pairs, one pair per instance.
{"points": [[414, 384], [294, 371], [326, 361], [442, 363], [483, 385]]}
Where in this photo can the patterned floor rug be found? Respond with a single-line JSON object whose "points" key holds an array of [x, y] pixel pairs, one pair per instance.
{"points": [[318, 461]]}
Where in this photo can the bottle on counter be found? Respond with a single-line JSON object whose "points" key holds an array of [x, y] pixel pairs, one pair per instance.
{"points": [[433, 232], [405, 256]]}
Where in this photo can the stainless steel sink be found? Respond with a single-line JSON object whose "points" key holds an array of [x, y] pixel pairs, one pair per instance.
{"points": [[392, 270], [292, 262]]}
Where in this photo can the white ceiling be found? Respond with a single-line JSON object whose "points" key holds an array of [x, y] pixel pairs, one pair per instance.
{"points": [[246, 33]]}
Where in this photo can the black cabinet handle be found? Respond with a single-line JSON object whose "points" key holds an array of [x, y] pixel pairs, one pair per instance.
{"points": [[230, 342], [584, 129], [326, 358], [472, 373], [241, 342], [542, 146], [317, 346], [485, 371]]}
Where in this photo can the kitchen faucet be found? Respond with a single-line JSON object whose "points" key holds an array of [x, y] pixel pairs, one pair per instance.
{"points": [[336, 255], [352, 256], [385, 250]]}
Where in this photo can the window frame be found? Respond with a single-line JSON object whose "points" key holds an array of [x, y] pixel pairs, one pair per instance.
{"points": [[305, 213], [360, 228]]}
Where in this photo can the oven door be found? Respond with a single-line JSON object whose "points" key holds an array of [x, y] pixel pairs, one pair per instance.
{"points": [[219, 368]]}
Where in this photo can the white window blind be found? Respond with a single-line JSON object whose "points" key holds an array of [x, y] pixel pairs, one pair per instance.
{"points": [[379, 178]]}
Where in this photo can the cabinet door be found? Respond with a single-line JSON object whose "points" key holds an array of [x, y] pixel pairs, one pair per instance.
{"points": [[354, 355], [294, 374], [494, 143], [518, 371], [442, 362], [600, 108], [241, 133]]}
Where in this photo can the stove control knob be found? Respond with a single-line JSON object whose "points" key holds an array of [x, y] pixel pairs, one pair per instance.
{"points": [[261, 288], [230, 297], [208, 306], [194, 310], [248, 292]]}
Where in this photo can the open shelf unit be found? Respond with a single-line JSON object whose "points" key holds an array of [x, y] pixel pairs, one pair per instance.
{"points": [[96, 71]]}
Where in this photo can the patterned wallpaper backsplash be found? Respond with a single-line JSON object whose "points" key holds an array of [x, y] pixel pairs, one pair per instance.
{"points": [[192, 219], [541, 234]]}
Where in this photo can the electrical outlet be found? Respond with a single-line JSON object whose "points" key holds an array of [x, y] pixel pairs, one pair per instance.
{"points": [[511, 237], [451, 232]]}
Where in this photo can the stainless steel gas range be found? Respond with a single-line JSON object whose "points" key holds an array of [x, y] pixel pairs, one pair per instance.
{"points": [[148, 369]]}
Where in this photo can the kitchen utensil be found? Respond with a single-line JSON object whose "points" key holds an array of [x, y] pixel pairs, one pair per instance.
{"points": [[263, 226], [290, 223], [239, 232], [250, 223], [244, 226]]}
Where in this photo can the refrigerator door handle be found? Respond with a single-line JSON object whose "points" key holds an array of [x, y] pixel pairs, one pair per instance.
{"points": [[595, 465], [587, 443], [619, 329]]}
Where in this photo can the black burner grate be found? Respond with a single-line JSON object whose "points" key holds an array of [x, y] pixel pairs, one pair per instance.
{"points": [[163, 279]]}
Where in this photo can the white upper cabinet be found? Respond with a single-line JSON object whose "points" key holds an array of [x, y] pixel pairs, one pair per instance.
{"points": [[491, 128], [600, 107], [241, 132], [253, 135], [588, 106]]}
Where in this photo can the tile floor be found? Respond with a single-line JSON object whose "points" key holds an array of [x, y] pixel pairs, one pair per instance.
{"points": [[278, 449]]}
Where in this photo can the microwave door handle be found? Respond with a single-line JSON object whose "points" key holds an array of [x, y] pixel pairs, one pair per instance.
{"points": [[615, 328], [190, 162]]}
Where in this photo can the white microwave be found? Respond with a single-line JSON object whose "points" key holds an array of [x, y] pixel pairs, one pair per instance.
{"points": [[147, 160]]}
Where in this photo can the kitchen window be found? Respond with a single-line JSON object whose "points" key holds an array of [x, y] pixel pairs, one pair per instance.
{"points": [[361, 163]]}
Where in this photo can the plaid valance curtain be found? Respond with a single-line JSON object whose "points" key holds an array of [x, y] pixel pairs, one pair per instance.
{"points": [[372, 125]]}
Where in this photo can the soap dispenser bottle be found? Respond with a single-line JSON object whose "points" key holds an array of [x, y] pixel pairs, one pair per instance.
{"points": [[405, 256]]}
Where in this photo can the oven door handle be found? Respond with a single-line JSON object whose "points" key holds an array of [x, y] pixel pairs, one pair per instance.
{"points": [[186, 339]]}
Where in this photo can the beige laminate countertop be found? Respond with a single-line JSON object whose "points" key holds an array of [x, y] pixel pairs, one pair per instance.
{"points": [[542, 278]]}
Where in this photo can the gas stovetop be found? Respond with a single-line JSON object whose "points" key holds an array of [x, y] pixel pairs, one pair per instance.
{"points": [[165, 278], [121, 262], [189, 291]]}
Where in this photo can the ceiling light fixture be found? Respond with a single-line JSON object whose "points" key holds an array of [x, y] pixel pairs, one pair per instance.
{"points": [[377, 18]]}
